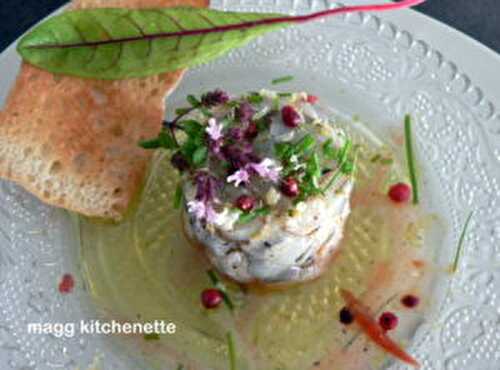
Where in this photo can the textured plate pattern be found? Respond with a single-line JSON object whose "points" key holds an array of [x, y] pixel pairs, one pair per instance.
{"points": [[382, 69]]}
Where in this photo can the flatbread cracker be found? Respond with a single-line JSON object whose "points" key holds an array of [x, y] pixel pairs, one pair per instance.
{"points": [[72, 142]]}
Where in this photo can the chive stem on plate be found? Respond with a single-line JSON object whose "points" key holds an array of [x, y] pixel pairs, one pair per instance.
{"points": [[217, 283], [281, 80], [411, 158], [461, 243], [231, 351]]}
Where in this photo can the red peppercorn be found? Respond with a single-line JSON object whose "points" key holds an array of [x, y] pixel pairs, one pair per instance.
{"points": [[211, 298], [245, 203], [290, 187], [345, 316], [291, 118], [400, 193], [67, 284], [312, 99], [388, 321], [410, 301], [252, 131]]}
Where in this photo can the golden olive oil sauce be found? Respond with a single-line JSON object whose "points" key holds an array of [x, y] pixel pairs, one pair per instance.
{"points": [[143, 269]]}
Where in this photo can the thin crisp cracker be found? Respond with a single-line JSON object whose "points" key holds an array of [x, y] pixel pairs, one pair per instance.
{"points": [[73, 142]]}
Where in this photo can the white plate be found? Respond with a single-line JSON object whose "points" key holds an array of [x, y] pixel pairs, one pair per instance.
{"points": [[363, 65]]}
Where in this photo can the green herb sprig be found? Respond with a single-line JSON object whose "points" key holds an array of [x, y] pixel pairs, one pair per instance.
{"points": [[231, 348], [281, 80], [410, 157], [248, 217], [460, 245], [217, 283]]}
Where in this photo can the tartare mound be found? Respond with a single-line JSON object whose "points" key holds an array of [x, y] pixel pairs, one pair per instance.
{"points": [[265, 183]]}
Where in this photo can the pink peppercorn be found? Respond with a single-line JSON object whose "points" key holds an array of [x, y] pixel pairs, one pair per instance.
{"points": [[290, 187], [400, 193], [410, 301], [388, 321], [66, 284], [291, 118], [245, 203], [312, 99], [211, 298]]}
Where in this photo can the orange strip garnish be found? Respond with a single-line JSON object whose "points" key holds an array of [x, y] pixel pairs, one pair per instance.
{"points": [[371, 328]]}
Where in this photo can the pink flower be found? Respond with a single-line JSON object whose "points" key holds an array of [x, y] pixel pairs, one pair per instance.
{"points": [[202, 211], [214, 130], [267, 169], [197, 208], [240, 176]]}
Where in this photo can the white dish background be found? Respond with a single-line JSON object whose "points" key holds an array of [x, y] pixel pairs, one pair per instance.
{"points": [[376, 67]]}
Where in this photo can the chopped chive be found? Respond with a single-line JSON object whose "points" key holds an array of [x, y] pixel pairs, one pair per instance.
{"points": [[213, 277], [151, 336], [328, 149], [250, 216], [231, 351], [285, 94], [460, 244], [217, 283], [255, 98], [281, 80], [178, 196], [304, 144], [344, 152], [375, 158], [386, 161], [411, 159]]}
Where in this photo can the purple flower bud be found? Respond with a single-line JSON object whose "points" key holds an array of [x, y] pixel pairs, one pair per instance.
{"points": [[179, 161], [206, 187], [236, 133], [239, 156], [252, 131], [215, 147], [245, 112], [215, 97]]}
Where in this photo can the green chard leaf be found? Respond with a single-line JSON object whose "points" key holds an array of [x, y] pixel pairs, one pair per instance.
{"points": [[125, 43], [118, 43]]}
